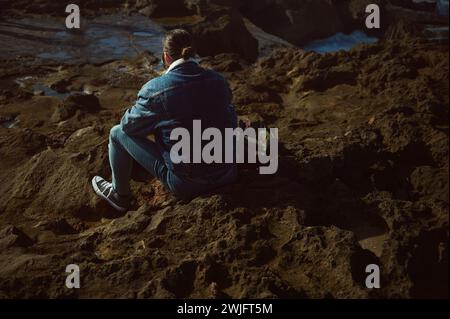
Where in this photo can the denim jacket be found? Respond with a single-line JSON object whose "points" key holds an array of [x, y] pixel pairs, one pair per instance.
{"points": [[185, 93]]}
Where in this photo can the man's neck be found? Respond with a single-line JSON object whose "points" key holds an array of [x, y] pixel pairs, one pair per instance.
{"points": [[178, 62]]}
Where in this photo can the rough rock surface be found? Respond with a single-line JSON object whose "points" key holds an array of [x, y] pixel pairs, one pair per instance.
{"points": [[363, 179]]}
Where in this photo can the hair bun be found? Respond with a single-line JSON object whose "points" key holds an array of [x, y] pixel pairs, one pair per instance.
{"points": [[187, 53]]}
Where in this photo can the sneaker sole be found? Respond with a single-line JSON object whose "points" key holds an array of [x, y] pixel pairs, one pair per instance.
{"points": [[110, 202]]}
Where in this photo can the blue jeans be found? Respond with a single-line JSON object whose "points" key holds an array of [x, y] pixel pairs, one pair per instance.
{"points": [[125, 149]]}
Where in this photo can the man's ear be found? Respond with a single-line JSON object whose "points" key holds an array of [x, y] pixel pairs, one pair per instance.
{"points": [[167, 59]]}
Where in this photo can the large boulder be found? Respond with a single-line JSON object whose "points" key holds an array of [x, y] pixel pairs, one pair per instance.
{"points": [[224, 31], [203, 7], [162, 8], [295, 21]]}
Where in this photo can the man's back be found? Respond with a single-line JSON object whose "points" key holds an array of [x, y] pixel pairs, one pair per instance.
{"points": [[174, 100]]}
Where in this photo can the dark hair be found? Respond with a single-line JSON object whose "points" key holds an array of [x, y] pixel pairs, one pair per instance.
{"points": [[179, 44]]}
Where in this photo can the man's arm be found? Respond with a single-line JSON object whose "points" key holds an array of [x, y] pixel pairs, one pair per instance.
{"points": [[143, 118]]}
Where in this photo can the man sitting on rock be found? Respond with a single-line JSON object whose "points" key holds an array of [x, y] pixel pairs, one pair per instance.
{"points": [[186, 92]]}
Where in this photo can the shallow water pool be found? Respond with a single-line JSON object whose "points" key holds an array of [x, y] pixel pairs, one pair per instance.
{"points": [[340, 41], [101, 39], [47, 91]]}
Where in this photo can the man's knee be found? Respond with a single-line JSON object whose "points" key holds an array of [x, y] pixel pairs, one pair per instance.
{"points": [[116, 133]]}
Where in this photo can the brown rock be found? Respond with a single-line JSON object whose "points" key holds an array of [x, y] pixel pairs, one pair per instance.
{"points": [[11, 236], [224, 31]]}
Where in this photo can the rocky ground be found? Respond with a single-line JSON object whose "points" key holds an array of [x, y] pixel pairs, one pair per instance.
{"points": [[363, 179]]}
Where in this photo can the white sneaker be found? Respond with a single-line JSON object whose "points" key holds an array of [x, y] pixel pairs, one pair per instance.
{"points": [[105, 190]]}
